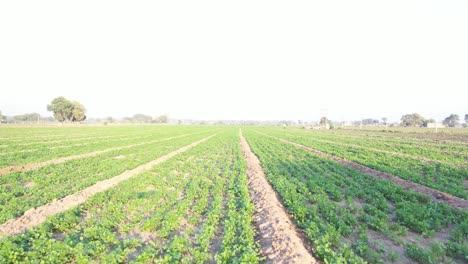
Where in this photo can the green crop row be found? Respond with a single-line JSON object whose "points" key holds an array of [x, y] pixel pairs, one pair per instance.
{"points": [[351, 217], [19, 155], [24, 190], [455, 154], [449, 153], [438, 176], [192, 208]]}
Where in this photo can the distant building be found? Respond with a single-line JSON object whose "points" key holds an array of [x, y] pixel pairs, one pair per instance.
{"points": [[435, 125]]}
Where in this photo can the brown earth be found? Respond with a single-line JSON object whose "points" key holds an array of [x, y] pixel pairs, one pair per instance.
{"points": [[435, 195], [33, 166], [36, 216], [279, 240]]}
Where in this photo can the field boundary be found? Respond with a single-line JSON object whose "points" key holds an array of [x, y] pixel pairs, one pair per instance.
{"points": [[36, 216], [435, 195], [279, 241], [33, 166]]}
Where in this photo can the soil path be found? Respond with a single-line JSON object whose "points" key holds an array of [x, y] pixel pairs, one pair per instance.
{"points": [[33, 166], [36, 216], [435, 195], [279, 240]]}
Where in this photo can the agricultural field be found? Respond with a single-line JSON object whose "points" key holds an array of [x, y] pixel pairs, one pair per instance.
{"points": [[191, 194]]}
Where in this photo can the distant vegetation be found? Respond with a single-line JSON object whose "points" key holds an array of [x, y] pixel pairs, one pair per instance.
{"points": [[65, 110], [451, 120], [146, 119]]}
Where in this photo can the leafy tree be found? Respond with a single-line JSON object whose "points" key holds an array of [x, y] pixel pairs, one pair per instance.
{"points": [[451, 120], [1, 117], [110, 119], [323, 121], [466, 118], [384, 119], [370, 121], [163, 119], [65, 110], [78, 112], [412, 120], [33, 117], [61, 108], [141, 118]]}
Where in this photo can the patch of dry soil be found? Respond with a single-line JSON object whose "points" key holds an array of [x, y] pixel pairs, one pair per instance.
{"points": [[36, 216], [279, 240]]}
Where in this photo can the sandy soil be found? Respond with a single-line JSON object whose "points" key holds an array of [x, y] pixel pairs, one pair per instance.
{"points": [[33, 166], [279, 240], [434, 194], [36, 216]]}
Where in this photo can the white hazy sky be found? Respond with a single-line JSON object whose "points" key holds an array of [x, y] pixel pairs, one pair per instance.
{"points": [[238, 59]]}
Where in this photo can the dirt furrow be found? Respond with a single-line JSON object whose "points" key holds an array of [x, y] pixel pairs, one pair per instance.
{"points": [[279, 240], [33, 166], [35, 216], [435, 195]]}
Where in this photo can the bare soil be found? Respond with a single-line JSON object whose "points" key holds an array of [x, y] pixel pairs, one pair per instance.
{"points": [[36, 216], [279, 241], [435, 195]]}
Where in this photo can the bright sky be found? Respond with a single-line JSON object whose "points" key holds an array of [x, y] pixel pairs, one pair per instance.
{"points": [[267, 60]]}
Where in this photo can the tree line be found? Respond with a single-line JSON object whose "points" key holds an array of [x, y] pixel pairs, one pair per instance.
{"points": [[65, 110], [416, 120]]}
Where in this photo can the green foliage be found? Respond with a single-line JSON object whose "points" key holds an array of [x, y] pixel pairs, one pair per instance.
{"points": [[339, 208], [177, 212], [65, 110], [412, 120], [451, 120], [33, 117], [444, 175]]}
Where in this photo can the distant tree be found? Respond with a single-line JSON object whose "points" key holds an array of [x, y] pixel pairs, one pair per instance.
{"points": [[466, 118], [141, 118], [324, 121], [49, 119], [110, 119], [163, 119], [384, 120], [33, 117], [412, 120], [78, 112], [451, 120], [61, 108], [65, 110], [370, 121], [1, 117]]}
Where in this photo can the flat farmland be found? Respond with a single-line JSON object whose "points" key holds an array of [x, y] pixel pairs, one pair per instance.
{"points": [[226, 194]]}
